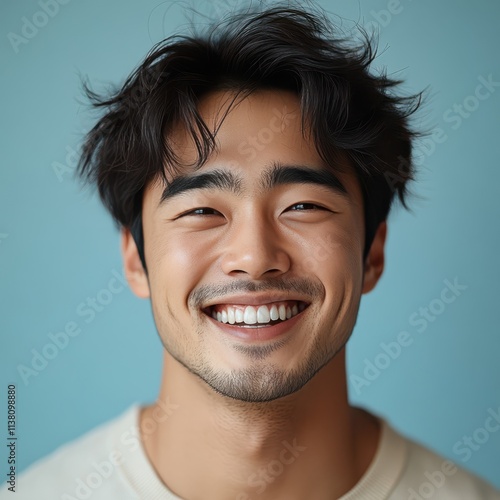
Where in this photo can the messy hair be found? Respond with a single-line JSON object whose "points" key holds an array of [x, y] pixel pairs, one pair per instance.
{"points": [[345, 109]]}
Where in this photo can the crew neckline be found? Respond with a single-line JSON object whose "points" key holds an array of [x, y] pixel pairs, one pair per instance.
{"points": [[380, 478], [385, 469]]}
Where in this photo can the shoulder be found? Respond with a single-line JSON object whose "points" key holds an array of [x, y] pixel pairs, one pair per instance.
{"points": [[426, 474], [87, 466]]}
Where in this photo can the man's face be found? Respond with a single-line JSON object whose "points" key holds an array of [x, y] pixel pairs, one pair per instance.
{"points": [[287, 244]]}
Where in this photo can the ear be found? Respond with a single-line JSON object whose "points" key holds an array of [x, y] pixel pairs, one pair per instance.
{"points": [[134, 272], [374, 263]]}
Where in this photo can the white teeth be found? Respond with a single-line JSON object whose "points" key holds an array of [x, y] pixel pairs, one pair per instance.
{"points": [[263, 315], [238, 316], [273, 313], [282, 312], [250, 316]]}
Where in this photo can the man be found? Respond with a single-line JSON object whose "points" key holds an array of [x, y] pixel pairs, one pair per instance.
{"points": [[229, 160]]}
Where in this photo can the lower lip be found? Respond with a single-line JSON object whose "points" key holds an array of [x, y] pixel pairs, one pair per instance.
{"points": [[259, 333]]}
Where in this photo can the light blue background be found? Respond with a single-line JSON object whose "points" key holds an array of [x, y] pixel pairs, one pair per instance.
{"points": [[58, 246]]}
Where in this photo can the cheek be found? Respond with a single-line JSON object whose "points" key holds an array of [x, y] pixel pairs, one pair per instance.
{"points": [[334, 251], [178, 263], [351, 265]]}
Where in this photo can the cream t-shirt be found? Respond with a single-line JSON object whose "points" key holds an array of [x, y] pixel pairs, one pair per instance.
{"points": [[109, 462]]}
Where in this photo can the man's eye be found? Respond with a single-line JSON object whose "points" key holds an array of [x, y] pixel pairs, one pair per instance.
{"points": [[206, 211], [199, 211], [306, 206]]}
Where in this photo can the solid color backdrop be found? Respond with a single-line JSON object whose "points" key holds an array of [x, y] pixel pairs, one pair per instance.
{"points": [[59, 248]]}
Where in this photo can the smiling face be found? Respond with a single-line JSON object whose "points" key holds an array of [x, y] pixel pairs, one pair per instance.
{"points": [[255, 260]]}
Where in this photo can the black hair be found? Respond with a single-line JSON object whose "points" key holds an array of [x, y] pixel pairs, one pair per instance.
{"points": [[345, 108]]}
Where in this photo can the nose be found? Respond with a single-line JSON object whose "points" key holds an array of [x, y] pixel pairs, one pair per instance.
{"points": [[254, 247]]}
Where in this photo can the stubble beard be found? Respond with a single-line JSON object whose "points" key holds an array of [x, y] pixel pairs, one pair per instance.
{"points": [[263, 382]]}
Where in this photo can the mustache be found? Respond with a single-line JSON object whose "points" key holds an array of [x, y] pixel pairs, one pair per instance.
{"points": [[302, 286]]}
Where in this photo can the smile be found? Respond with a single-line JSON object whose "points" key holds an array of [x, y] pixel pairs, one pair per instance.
{"points": [[256, 316]]}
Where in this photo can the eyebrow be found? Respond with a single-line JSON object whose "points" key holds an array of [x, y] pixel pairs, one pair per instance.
{"points": [[279, 174], [224, 180], [275, 175]]}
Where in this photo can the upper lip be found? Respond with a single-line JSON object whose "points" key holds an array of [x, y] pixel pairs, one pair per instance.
{"points": [[255, 299]]}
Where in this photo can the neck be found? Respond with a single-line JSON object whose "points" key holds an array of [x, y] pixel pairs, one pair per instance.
{"points": [[309, 441]]}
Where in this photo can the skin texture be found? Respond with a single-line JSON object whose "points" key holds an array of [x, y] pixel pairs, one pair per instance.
{"points": [[238, 401]]}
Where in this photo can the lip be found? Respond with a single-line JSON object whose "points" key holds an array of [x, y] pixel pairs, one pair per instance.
{"points": [[260, 333]]}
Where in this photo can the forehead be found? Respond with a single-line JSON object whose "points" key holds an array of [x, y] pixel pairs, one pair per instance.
{"points": [[248, 127], [254, 134]]}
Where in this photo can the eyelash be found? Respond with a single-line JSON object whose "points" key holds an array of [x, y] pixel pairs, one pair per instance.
{"points": [[312, 204], [191, 212]]}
